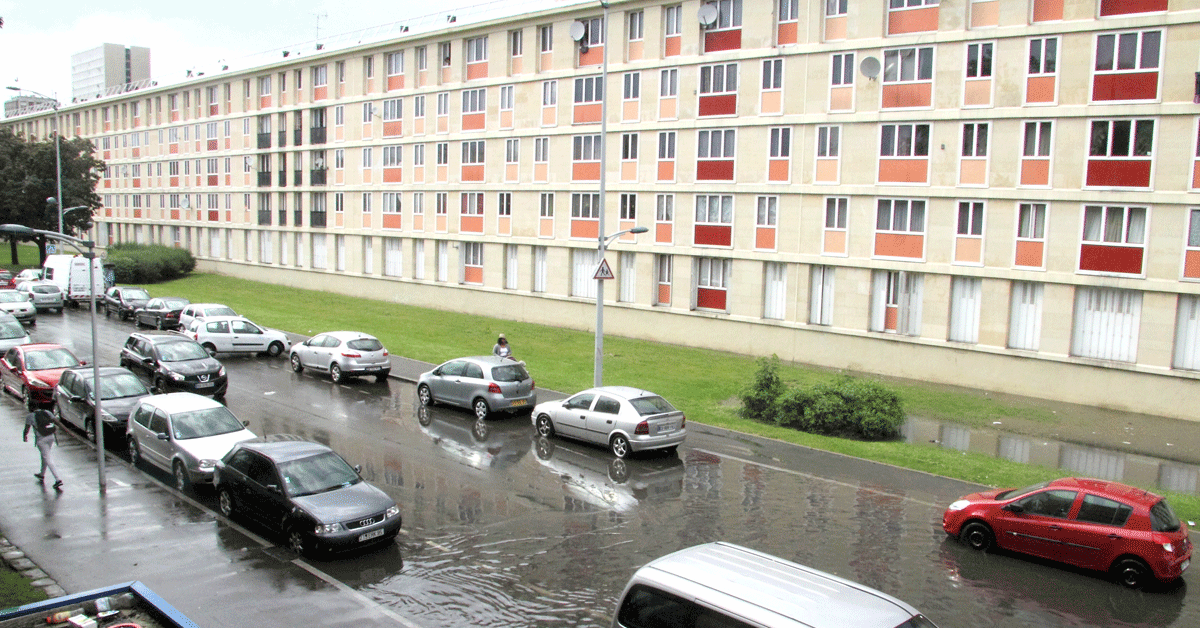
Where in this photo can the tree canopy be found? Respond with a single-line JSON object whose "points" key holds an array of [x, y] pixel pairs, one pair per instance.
{"points": [[29, 175]]}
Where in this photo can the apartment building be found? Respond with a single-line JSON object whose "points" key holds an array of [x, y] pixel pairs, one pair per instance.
{"points": [[992, 194]]}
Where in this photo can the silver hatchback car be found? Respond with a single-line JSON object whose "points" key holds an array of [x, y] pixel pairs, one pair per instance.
{"points": [[625, 419], [342, 354], [483, 383], [43, 294], [183, 433]]}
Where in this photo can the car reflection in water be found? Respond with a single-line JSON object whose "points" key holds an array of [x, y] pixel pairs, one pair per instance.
{"points": [[475, 443], [601, 481], [1018, 590]]}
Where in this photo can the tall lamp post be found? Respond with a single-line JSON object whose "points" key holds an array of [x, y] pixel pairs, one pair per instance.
{"points": [[57, 152], [598, 372], [90, 254]]}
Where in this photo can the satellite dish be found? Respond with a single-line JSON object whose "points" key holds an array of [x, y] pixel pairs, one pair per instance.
{"points": [[708, 15], [186, 203], [578, 30], [869, 67]]}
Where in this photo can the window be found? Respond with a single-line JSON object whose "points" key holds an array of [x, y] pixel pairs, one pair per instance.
{"points": [[1107, 322], [393, 257], [595, 31], [512, 151], [585, 205], [772, 74], [506, 98], [472, 152], [588, 89], [829, 141], [904, 140], [628, 206], [975, 139], [666, 145], [583, 266], [541, 150], [472, 253], [1114, 225], [632, 86], [1128, 51], [820, 300], [1122, 138], [896, 302], [444, 54], [586, 148], [443, 153], [1043, 56], [549, 93], [714, 209], [391, 203], [712, 282], [900, 216], [965, 294], [970, 218], [717, 144], [665, 208], [540, 268], [718, 79], [418, 154], [516, 43], [979, 60], [835, 8], [636, 20], [629, 147], [510, 266], [1037, 139], [393, 109], [395, 63], [907, 65], [546, 38], [668, 85], [729, 14], [474, 101], [663, 272], [475, 49], [673, 20], [504, 204], [393, 156], [842, 72], [1031, 221], [366, 158]]}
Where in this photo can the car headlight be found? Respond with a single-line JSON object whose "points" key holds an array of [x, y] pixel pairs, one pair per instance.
{"points": [[175, 376], [207, 464], [328, 528], [1169, 547], [392, 512], [221, 372], [958, 505]]}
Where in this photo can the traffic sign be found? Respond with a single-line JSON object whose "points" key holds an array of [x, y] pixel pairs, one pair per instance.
{"points": [[51, 248], [603, 271]]}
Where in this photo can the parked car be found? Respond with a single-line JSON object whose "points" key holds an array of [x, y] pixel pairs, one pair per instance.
{"points": [[171, 362], [12, 332], [342, 354], [7, 280], [233, 334], [1095, 524], [185, 434], [625, 419], [721, 584], [160, 312], [28, 274], [16, 304], [45, 295], [124, 300], [306, 491], [30, 372], [203, 310], [483, 383], [75, 403]]}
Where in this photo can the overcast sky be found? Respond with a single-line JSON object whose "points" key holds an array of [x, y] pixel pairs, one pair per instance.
{"points": [[39, 36]]}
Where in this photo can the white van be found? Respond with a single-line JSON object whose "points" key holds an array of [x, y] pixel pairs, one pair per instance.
{"points": [[721, 585], [70, 274]]}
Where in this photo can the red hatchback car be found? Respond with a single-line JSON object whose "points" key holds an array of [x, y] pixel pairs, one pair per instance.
{"points": [[32, 371], [1131, 533]]}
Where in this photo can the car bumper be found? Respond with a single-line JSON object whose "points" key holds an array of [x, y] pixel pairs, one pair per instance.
{"points": [[25, 317], [382, 532], [513, 404], [48, 305], [217, 389], [647, 443], [367, 369], [1171, 568], [41, 395]]}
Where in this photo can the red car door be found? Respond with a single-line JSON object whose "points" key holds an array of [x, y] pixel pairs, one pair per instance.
{"points": [[1034, 523], [1095, 535]]}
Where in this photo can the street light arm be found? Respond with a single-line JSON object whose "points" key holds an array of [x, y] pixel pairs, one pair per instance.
{"points": [[611, 237]]}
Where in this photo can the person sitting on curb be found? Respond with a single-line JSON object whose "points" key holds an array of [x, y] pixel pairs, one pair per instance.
{"points": [[501, 347]]}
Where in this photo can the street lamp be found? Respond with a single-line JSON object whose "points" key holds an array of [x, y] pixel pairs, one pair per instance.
{"points": [[90, 254], [598, 372], [57, 152]]}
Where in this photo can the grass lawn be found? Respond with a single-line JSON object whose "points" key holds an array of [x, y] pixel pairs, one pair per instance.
{"points": [[704, 383], [15, 589], [27, 257]]}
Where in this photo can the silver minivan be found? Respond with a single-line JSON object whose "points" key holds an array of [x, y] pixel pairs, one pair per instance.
{"points": [[729, 586]]}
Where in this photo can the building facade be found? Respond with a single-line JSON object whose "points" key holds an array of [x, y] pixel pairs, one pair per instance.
{"points": [[992, 194], [95, 72], [22, 104]]}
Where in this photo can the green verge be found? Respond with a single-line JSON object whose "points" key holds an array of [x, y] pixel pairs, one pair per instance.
{"points": [[704, 383], [16, 590]]}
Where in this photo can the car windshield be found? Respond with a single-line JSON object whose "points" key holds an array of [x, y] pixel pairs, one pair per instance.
{"points": [[180, 351], [1162, 517], [365, 344], [137, 293], [11, 329], [317, 474], [1014, 493], [45, 289], [510, 373], [206, 422], [651, 405], [219, 311], [120, 385], [49, 359], [11, 296], [175, 304]]}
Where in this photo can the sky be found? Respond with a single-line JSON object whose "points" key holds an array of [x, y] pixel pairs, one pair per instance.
{"points": [[39, 37]]}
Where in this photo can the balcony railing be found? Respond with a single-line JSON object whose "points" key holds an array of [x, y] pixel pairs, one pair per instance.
{"points": [[264, 140], [317, 135], [264, 179], [264, 217], [283, 218], [283, 178], [298, 177], [298, 218], [283, 138], [299, 135], [318, 176], [316, 219]]}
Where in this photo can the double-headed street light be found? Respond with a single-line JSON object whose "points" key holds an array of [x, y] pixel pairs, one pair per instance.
{"points": [[90, 254], [57, 153], [601, 275]]}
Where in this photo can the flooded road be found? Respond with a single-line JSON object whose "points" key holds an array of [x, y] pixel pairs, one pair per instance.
{"points": [[504, 529]]}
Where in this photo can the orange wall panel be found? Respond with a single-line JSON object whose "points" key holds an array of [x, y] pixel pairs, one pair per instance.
{"points": [[668, 109], [586, 114], [391, 221], [594, 56], [541, 173], [473, 274], [1030, 254], [1035, 172], [549, 116], [472, 173], [631, 110], [585, 171], [779, 170], [764, 238], [1047, 10], [478, 70], [664, 233], [587, 229], [1191, 264], [908, 245], [506, 119], [787, 33], [834, 243], [772, 102], [1040, 89], [664, 294], [629, 170], [904, 170], [913, 21], [320, 93], [393, 128], [968, 250], [504, 225], [470, 224], [977, 93], [907, 95], [666, 171], [985, 14], [474, 121], [972, 172], [672, 46], [393, 175], [835, 28], [546, 227], [637, 50]]}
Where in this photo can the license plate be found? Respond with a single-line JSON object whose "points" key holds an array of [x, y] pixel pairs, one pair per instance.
{"points": [[666, 428], [374, 534], [519, 402], [205, 385]]}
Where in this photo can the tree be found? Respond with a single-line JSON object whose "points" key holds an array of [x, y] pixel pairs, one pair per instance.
{"points": [[29, 175]]}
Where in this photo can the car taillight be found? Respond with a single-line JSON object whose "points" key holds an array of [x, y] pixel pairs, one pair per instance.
{"points": [[385, 353], [351, 355], [494, 388], [532, 385], [642, 429], [682, 420]]}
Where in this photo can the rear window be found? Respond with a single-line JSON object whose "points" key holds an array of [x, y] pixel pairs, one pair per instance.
{"points": [[365, 344], [46, 289], [1162, 518], [137, 294], [647, 607], [509, 373], [651, 405], [176, 303]]}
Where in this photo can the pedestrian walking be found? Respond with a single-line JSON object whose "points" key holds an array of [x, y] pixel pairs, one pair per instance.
{"points": [[45, 435], [501, 347]]}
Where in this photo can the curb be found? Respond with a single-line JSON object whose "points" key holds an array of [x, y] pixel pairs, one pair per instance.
{"points": [[20, 563]]}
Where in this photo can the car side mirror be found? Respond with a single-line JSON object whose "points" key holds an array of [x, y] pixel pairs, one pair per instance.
{"points": [[245, 424], [308, 342], [274, 488], [163, 436], [358, 469], [1014, 508]]}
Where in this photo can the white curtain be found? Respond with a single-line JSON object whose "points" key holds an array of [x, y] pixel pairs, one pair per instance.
{"points": [[628, 277], [774, 290], [510, 266], [393, 257], [965, 295], [583, 268], [820, 304], [539, 269]]}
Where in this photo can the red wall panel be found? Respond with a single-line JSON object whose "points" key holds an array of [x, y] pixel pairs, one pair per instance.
{"points": [[714, 235], [1118, 173], [1106, 258], [1125, 86], [714, 170], [710, 299]]}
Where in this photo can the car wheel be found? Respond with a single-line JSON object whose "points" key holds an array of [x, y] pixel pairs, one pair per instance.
{"points": [[335, 373], [158, 324], [671, 451], [30, 404], [296, 365], [618, 471], [424, 416], [480, 430], [296, 540], [160, 386], [275, 349], [382, 377], [210, 348], [106, 311], [135, 454], [481, 409], [1131, 573], [545, 427], [182, 481], [619, 445], [225, 502], [425, 395], [978, 536]]}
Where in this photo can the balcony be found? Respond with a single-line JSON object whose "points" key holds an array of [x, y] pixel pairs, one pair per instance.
{"points": [[298, 218], [316, 219], [283, 218], [283, 178], [317, 176], [264, 179], [298, 178], [282, 138], [264, 140], [316, 135], [264, 217], [299, 135]]}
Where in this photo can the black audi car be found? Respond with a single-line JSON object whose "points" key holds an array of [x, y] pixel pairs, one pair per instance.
{"points": [[305, 491], [174, 363]]}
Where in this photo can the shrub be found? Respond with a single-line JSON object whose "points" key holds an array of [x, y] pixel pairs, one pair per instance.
{"points": [[879, 413], [141, 263], [760, 397], [792, 409]]}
